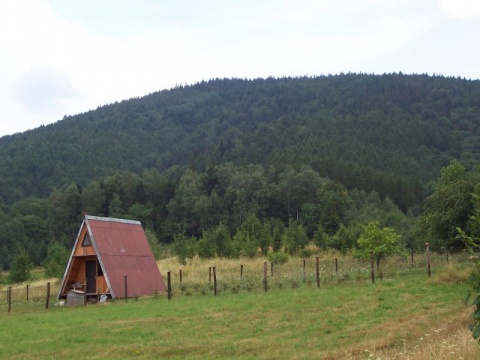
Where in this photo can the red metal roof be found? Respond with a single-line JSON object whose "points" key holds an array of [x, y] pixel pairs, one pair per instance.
{"points": [[122, 249]]}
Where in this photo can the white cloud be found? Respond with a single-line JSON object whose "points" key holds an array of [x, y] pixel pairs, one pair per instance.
{"points": [[461, 8]]}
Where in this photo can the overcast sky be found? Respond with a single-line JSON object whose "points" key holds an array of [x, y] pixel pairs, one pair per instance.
{"points": [[63, 57]]}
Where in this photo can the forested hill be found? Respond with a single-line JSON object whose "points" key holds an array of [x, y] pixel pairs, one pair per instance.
{"points": [[390, 133]]}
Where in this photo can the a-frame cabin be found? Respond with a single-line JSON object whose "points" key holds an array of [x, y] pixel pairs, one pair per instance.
{"points": [[107, 252]]}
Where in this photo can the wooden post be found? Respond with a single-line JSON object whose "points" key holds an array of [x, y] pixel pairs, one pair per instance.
{"points": [[336, 266], [372, 267], [304, 262], [317, 270], [241, 271], [47, 302], [411, 256], [169, 286], [209, 274], [27, 292], [9, 298], [428, 259], [215, 281], [265, 283], [271, 269], [126, 289], [181, 277], [85, 292]]}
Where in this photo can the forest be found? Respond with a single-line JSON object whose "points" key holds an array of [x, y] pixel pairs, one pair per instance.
{"points": [[238, 167]]}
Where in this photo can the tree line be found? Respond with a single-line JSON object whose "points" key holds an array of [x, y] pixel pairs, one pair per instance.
{"points": [[232, 211]]}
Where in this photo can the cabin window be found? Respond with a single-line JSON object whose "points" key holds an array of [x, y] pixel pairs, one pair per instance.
{"points": [[86, 241]]}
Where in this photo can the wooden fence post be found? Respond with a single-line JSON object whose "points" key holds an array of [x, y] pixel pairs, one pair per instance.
{"points": [[181, 277], [215, 280], [265, 283], [304, 264], [317, 270], [169, 286], [271, 269], [241, 271], [47, 302], [126, 289], [336, 266], [9, 298], [85, 292], [372, 268], [27, 291], [411, 256], [428, 259], [209, 274]]}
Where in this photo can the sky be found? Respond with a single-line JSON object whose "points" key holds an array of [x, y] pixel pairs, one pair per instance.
{"points": [[64, 57]]}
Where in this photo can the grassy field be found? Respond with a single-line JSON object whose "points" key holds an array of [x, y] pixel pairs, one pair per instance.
{"points": [[404, 316]]}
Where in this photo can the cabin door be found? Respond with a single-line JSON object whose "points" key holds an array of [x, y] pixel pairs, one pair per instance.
{"points": [[91, 275]]}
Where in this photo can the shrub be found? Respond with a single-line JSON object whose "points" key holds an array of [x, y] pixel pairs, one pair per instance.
{"points": [[278, 258]]}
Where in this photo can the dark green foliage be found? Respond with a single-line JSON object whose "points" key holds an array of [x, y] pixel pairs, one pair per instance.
{"points": [[294, 237], [56, 261], [153, 242], [339, 151], [20, 267], [449, 207], [184, 247]]}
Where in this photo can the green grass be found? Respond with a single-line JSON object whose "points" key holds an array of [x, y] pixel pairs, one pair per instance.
{"points": [[339, 320]]}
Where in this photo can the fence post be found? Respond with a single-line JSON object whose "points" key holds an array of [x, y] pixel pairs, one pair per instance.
{"points": [[428, 259], [336, 266], [215, 280], [317, 270], [241, 271], [265, 283], [271, 269], [126, 289], [372, 268], [85, 292], [27, 292], [169, 286], [48, 296], [9, 298], [304, 275], [209, 274], [181, 277], [411, 256]]}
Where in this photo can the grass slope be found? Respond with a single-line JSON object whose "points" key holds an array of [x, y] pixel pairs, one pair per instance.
{"points": [[391, 317]]}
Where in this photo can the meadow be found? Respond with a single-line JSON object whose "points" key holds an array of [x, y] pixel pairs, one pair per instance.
{"points": [[406, 315]]}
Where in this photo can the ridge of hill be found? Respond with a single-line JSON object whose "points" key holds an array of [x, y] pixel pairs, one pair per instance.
{"points": [[391, 133]]}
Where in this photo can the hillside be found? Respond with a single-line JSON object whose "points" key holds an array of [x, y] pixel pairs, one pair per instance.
{"points": [[391, 133]]}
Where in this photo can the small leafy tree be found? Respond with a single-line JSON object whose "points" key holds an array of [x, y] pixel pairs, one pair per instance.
{"points": [[320, 239], [56, 260], [153, 242], [20, 268], [276, 240], [382, 241], [184, 247], [295, 237]]}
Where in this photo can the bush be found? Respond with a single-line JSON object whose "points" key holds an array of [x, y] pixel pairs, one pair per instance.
{"points": [[21, 266], [278, 258]]}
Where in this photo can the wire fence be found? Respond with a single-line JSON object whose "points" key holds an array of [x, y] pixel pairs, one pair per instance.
{"points": [[227, 276]]}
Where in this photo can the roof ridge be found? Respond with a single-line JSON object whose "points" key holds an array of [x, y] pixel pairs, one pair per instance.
{"points": [[109, 219]]}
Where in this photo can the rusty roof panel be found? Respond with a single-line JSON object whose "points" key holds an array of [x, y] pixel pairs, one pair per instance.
{"points": [[123, 249]]}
